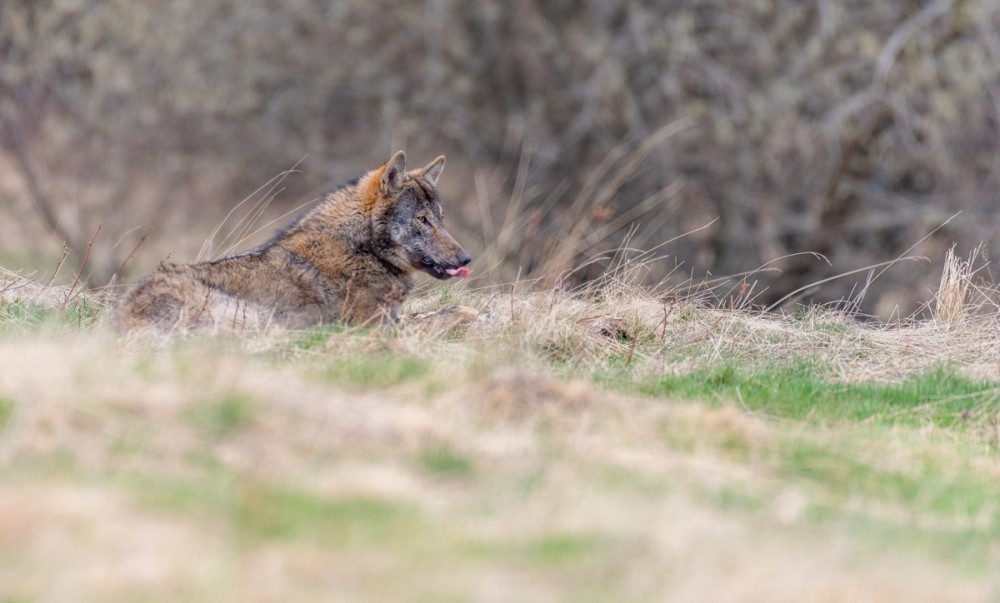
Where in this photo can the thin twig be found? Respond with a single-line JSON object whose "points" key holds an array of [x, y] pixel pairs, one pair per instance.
{"points": [[131, 253], [631, 351], [204, 306], [347, 299], [83, 264], [513, 290], [48, 283], [666, 316]]}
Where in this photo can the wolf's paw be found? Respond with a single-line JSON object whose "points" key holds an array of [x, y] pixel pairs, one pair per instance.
{"points": [[441, 320]]}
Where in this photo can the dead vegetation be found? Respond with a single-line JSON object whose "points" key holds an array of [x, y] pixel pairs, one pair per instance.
{"points": [[670, 328], [509, 458]]}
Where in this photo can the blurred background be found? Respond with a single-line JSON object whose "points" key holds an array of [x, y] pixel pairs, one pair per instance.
{"points": [[722, 137]]}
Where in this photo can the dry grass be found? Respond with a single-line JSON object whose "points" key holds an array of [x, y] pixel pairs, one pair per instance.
{"points": [[562, 491], [508, 460]]}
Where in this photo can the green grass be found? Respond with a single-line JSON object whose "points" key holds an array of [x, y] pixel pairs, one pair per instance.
{"points": [[940, 397], [272, 511], [79, 312], [923, 484], [7, 406], [20, 314], [550, 549], [315, 338], [443, 461], [382, 369], [223, 416]]}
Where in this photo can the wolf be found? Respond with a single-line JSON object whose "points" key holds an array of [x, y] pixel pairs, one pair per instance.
{"points": [[352, 259]]}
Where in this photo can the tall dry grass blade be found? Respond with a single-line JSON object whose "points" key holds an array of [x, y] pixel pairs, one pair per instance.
{"points": [[266, 191], [952, 301], [804, 288], [595, 195]]}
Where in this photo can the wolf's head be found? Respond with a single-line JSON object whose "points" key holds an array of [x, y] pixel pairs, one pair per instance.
{"points": [[406, 213]]}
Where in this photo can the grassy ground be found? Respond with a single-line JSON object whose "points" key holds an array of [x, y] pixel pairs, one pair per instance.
{"points": [[611, 445]]}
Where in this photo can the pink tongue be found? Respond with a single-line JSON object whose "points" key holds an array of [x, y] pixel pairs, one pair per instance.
{"points": [[462, 272]]}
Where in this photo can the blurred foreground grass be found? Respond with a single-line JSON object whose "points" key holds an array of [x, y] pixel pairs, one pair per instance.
{"points": [[612, 447]]}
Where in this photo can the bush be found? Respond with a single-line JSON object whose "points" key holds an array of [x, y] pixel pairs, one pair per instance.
{"points": [[849, 129]]}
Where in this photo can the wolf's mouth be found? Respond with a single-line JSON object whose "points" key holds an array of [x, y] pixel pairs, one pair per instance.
{"points": [[461, 272], [444, 271]]}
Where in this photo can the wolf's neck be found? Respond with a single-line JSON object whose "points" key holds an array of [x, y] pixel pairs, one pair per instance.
{"points": [[339, 245]]}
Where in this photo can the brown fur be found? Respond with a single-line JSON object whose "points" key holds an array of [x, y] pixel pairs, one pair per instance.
{"points": [[351, 258]]}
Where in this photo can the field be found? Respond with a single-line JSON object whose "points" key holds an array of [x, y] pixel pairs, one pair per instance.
{"points": [[604, 444]]}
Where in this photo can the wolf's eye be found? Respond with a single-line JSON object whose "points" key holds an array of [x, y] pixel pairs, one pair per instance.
{"points": [[424, 220]]}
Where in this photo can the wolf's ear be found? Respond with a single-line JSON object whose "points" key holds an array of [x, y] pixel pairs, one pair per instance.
{"points": [[432, 171], [393, 174]]}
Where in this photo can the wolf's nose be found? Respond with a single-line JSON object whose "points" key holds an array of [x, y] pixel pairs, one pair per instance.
{"points": [[463, 258]]}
